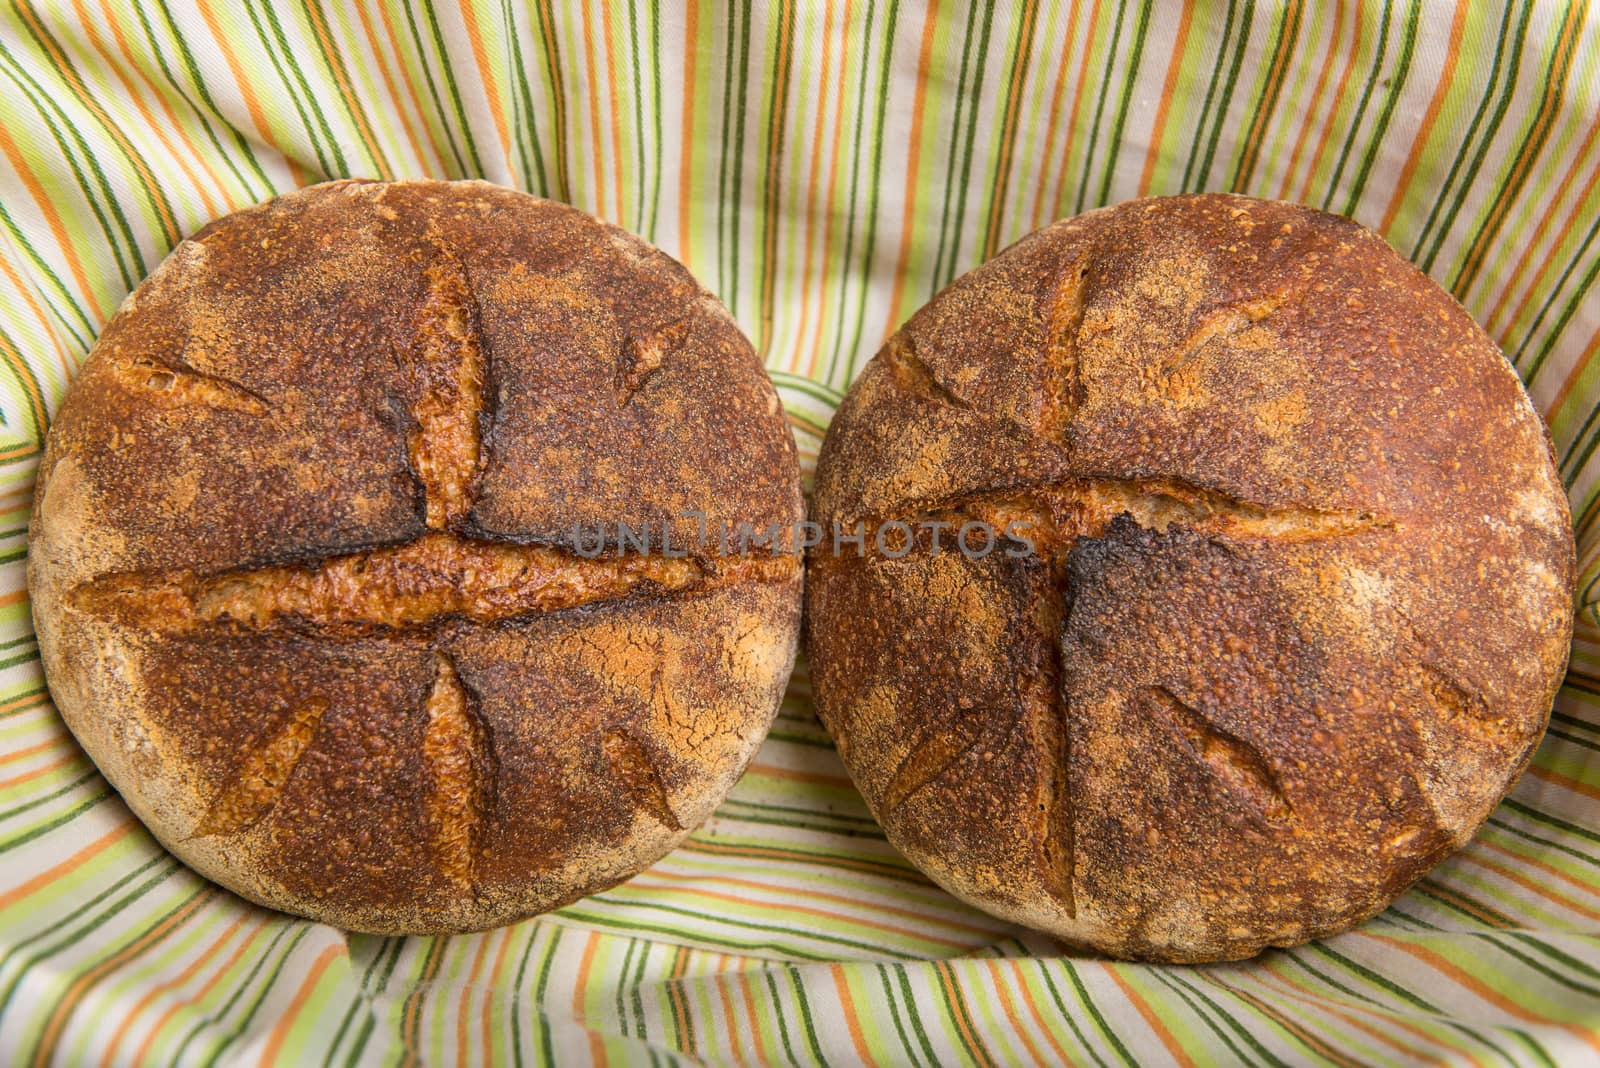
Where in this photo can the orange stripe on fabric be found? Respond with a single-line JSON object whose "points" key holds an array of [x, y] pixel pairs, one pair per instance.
{"points": [[18, 495], [200, 996], [809, 226], [1008, 127], [1298, 993], [1511, 875], [68, 1003], [1158, 128], [580, 986], [1544, 118], [1073, 125], [1575, 373], [691, 19], [168, 223], [811, 892], [280, 1031], [342, 80], [750, 1016], [491, 88], [14, 597], [680, 1010], [877, 925], [258, 116], [63, 360], [852, 1022], [68, 866], [1316, 99], [1312, 1041], [1174, 1047], [1452, 56], [590, 78], [131, 94], [172, 982], [612, 99], [23, 754], [468, 989], [980, 1052], [1459, 900], [500, 958], [1564, 781], [1050, 124], [1326, 138], [1480, 989], [52, 219], [1497, 316], [25, 699], [409, 83], [1038, 1018], [14, 359], [1275, 74], [74, 757], [411, 1011], [828, 213], [919, 103], [166, 107], [1538, 865], [725, 998], [1394, 1019], [1010, 1009]]}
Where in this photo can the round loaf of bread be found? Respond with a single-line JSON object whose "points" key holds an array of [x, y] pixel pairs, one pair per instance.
{"points": [[1278, 599], [367, 556]]}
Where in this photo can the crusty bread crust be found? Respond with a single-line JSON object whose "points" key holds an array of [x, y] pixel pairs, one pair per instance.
{"points": [[1301, 601], [303, 568]]}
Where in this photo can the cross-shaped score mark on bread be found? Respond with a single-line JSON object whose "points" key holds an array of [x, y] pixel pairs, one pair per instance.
{"points": [[448, 579]]}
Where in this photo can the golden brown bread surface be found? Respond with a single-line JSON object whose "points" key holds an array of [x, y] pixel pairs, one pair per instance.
{"points": [[1301, 598], [303, 568]]}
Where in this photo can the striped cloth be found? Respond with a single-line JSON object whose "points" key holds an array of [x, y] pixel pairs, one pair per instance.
{"points": [[825, 169]]}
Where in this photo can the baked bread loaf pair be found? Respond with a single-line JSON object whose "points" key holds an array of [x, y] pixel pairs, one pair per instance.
{"points": [[1264, 592], [326, 565], [1287, 601]]}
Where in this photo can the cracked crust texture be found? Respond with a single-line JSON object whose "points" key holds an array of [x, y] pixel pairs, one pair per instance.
{"points": [[1300, 598], [302, 564]]}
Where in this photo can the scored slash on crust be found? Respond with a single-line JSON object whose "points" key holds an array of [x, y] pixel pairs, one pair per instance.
{"points": [[642, 356], [1065, 340], [445, 445], [431, 585], [1236, 762], [459, 759], [255, 785], [420, 585], [175, 382], [634, 768], [914, 376], [1229, 320]]}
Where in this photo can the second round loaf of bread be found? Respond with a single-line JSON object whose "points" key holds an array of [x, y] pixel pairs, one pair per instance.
{"points": [[1288, 599]]}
